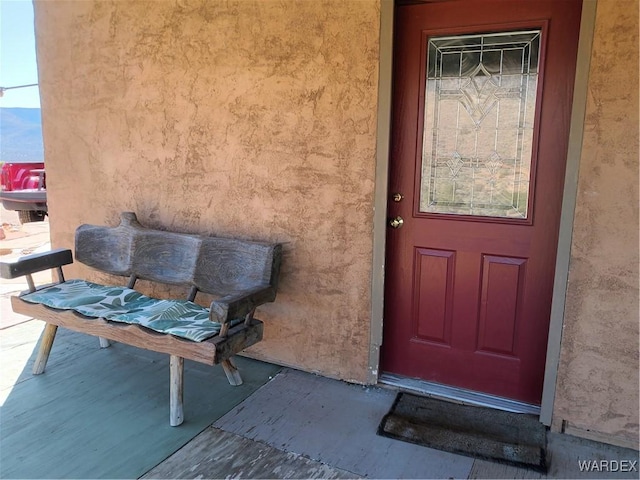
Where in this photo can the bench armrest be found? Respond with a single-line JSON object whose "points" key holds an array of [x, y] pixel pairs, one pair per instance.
{"points": [[238, 305], [35, 263]]}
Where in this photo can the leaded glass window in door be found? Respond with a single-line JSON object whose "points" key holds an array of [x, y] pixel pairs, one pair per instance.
{"points": [[480, 98]]}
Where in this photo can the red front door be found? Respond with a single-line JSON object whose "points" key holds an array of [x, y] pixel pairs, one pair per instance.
{"points": [[481, 108]]}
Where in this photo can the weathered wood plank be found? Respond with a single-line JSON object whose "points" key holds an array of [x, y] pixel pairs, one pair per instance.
{"points": [[209, 352], [176, 389], [46, 343], [232, 372], [218, 454], [35, 263], [219, 266]]}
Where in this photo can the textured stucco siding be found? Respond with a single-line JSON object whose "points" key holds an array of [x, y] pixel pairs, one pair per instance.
{"points": [[598, 373], [257, 119], [237, 118]]}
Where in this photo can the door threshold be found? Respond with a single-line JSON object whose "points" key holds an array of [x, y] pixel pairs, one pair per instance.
{"points": [[456, 394]]}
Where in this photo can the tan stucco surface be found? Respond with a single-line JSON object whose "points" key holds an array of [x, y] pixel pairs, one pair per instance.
{"points": [[237, 118], [257, 119], [598, 373]]}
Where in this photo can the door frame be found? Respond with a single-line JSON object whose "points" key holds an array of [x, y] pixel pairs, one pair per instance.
{"points": [[383, 141]]}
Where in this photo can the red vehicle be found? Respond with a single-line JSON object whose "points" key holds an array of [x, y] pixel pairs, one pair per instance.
{"points": [[23, 188]]}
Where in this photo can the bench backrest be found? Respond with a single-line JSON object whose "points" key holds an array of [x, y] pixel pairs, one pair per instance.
{"points": [[219, 266]]}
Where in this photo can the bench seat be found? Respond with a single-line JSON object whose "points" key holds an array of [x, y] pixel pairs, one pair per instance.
{"points": [[180, 318], [213, 351]]}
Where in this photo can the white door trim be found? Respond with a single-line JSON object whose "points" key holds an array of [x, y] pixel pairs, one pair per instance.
{"points": [[576, 134]]}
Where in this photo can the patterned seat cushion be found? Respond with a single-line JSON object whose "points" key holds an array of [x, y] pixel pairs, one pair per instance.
{"points": [[119, 304]]}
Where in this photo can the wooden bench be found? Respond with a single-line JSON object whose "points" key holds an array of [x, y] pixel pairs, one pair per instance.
{"points": [[240, 274]]}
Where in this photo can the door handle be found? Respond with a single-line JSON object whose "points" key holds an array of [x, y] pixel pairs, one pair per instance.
{"points": [[396, 222]]}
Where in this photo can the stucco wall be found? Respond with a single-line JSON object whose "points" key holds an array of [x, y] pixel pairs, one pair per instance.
{"points": [[238, 118], [598, 374], [257, 119]]}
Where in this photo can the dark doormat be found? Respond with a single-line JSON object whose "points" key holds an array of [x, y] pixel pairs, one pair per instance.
{"points": [[505, 437]]}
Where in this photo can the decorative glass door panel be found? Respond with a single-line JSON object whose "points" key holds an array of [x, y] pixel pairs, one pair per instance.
{"points": [[480, 98]]}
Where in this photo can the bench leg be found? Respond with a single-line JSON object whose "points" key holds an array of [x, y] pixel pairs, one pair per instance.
{"points": [[176, 367], [232, 372], [48, 337], [104, 342]]}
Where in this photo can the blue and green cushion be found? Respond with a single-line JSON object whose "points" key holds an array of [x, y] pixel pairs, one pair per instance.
{"points": [[181, 318]]}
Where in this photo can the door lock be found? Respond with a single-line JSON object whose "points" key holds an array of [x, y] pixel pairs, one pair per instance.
{"points": [[396, 222], [397, 197]]}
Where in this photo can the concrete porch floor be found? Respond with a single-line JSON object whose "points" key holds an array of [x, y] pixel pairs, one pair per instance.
{"points": [[300, 425], [327, 429]]}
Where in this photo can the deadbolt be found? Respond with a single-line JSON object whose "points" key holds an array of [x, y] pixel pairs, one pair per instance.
{"points": [[396, 222], [397, 197]]}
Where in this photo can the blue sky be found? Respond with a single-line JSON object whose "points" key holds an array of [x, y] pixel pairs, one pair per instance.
{"points": [[18, 54]]}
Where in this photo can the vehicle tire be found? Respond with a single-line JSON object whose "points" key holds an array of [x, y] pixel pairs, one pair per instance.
{"points": [[27, 216]]}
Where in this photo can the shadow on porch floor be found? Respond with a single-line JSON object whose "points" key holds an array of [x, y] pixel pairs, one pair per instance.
{"points": [[297, 425]]}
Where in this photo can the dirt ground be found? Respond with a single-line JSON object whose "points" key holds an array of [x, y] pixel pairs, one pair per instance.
{"points": [[17, 239]]}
